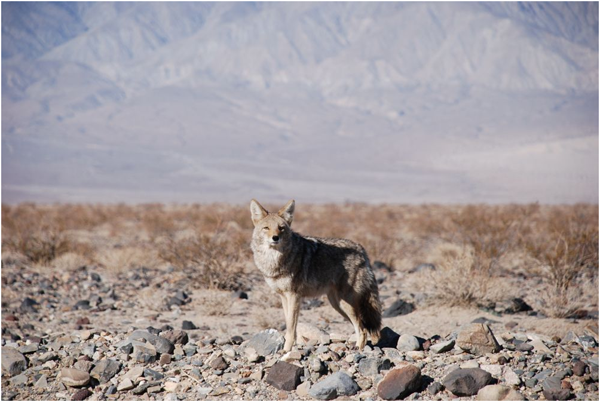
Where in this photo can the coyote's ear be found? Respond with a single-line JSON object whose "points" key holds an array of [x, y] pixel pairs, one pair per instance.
{"points": [[257, 211], [287, 212]]}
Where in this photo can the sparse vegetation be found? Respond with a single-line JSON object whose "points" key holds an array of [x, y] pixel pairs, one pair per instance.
{"points": [[477, 249]]}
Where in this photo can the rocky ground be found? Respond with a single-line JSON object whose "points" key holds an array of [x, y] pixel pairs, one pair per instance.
{"points": [[149, 335]]}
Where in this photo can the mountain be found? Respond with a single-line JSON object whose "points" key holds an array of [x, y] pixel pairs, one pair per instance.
{"points": [[376, 102]]}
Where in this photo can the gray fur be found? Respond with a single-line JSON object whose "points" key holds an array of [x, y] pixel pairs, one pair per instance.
{"points": [[297, 266]]}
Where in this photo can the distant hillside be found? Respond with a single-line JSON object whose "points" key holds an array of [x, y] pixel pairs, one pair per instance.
{"points": [[377, 102]]}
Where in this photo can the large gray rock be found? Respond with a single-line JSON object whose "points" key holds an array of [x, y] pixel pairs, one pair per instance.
{"points": [[284, 376], [400, 383], [105, 370], [266, 342], [478, 339], [498, 393], [408, 343], [13, 362], [442, 347], [335, 385], [161, 344], [371, 366], [467, 382]]}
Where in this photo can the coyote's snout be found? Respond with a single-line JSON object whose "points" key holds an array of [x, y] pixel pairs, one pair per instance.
{"points": [[297, 266]]}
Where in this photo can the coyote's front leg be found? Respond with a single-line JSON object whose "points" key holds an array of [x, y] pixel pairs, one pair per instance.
{"points": [[291, 320]]}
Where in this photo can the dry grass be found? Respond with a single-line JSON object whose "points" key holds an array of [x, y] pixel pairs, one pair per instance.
{"points": [[477, 249]]}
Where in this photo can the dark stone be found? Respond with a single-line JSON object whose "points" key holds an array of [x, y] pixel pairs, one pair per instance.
{"points": [[111, 390], [557, 394], [236, 340], [284, 376], [95, 277], [28, 305], [153, 331], [105, 370], [13, 362], [502, 360], [83, 321], [511, 324], [371, 366], [400, 383], [161, 344], [166, 327], [467, 382], [219, 363], [388, 338], [173, 301], [188, 325], [82, 305], [524, 347], [127, 349], [435, 388], [240, 294], [81, 395], [518, 305], [399, 307], [176, 336], [382, 265], [149, 373]]}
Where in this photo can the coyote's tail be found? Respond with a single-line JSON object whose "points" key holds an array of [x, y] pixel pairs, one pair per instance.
{"points": [[369, 310]]}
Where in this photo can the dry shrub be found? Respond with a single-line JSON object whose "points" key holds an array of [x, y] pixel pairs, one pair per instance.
{"points": [[216, 259], [126, 258], [70, 261], [565, 249]]}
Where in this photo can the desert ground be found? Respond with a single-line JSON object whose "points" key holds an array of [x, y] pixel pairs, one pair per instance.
{"points": [[163, 302]]}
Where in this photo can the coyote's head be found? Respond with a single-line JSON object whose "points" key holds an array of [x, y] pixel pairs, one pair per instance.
{"points": [[272, 229]]}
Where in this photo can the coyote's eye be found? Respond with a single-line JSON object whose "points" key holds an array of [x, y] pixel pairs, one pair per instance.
{"points": [[281, 228], [266, 228]]}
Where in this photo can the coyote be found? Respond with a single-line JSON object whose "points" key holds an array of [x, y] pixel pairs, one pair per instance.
{"points": [[297, 266]]}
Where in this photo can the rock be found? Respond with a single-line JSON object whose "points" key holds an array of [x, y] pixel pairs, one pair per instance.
{"points": [[302, 389], [467, 382], [105, 370], [557, 394], [144, 353], [511, 324], [307, 332], [524, 347], [188, 325], [171, 386], [291, 356], [478, 339], [82, 305], [240, 294], [399, 307], [251, 355], [13, 362], [511, 378], [42, 382], [83, 321], [19, 380], [408, 343], [422, 268], [155, 375], [339, 383], [371, 366], [539, 346], [28, 349], [161, 344], [219, 363], [177, 337], [266, 342], [165, 359], [81, 395], [171, 397], [284, 376], [493, 369], [498, 393], [125, 385], [517, 305], [442, 347], [83, 365], [400, 383], [388, 339], [74, 378], [133, 374], [579, 368], [28, 305], [435, 388]]}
